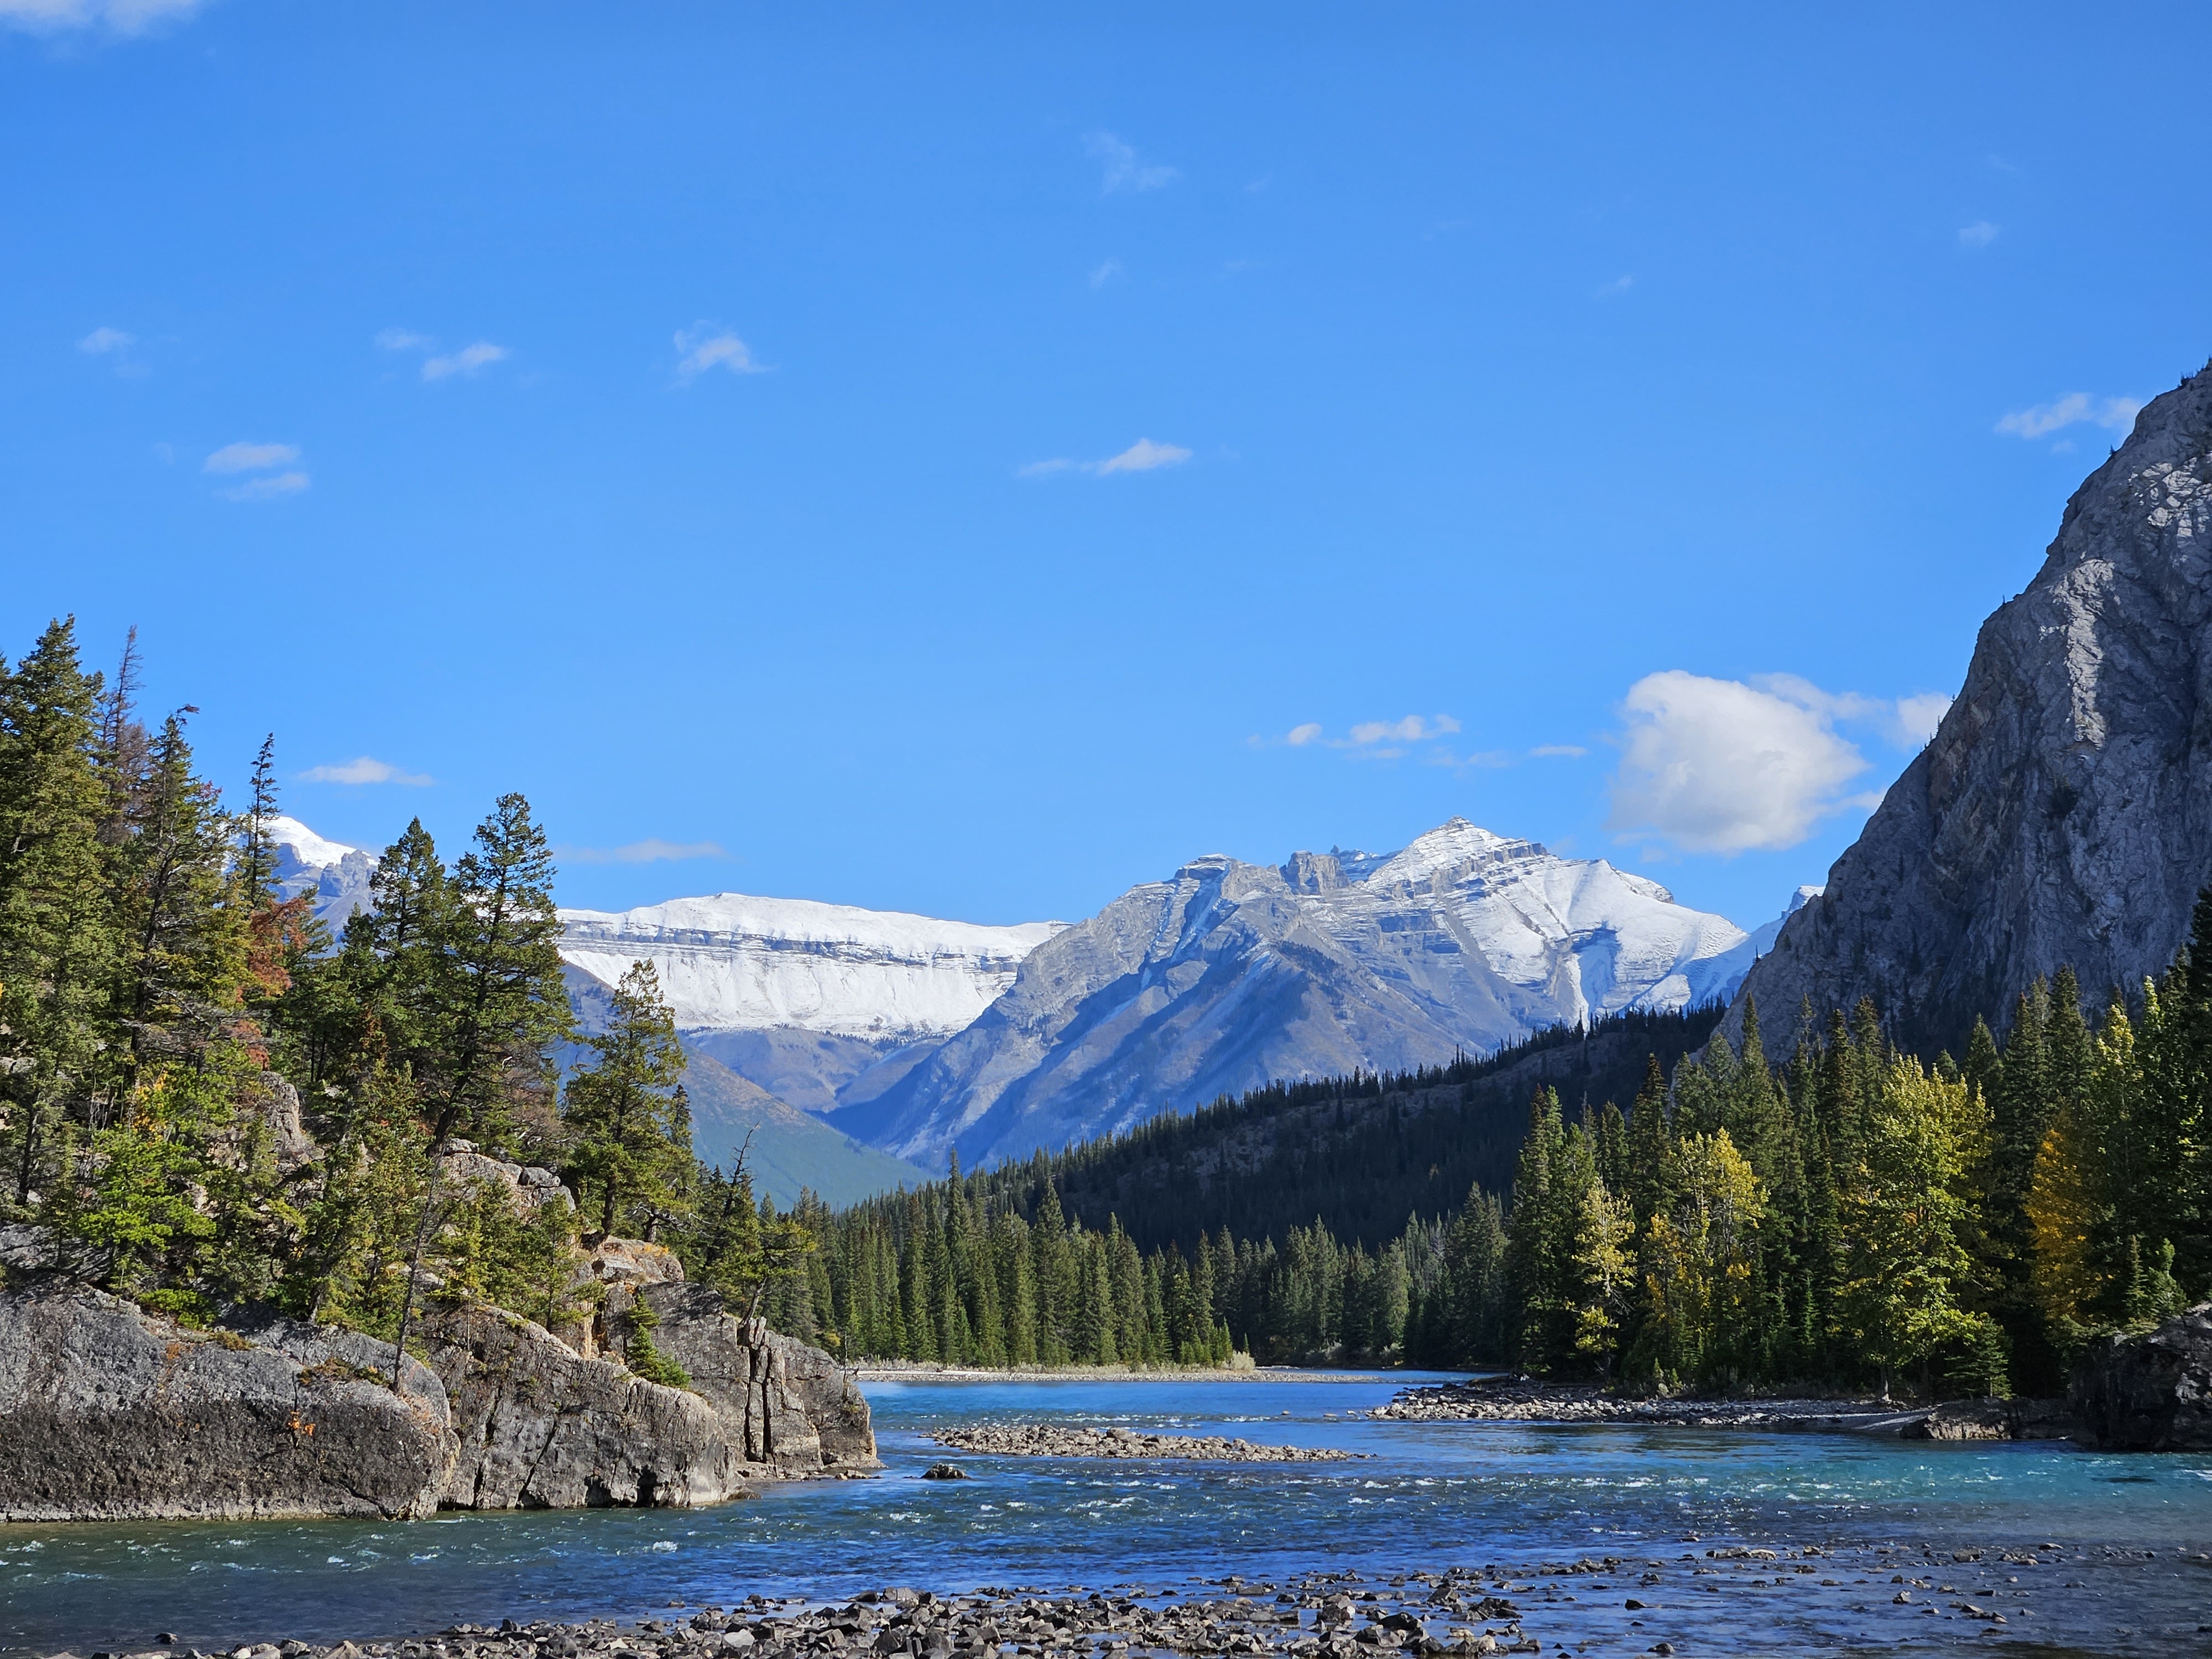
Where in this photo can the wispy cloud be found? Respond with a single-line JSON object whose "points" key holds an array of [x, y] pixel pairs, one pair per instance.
{"points": [[365, 769], [400, 339], [1559, 751], [1616, 287], [1123, 172], [2113, 414], [705, 346], [250, 457], [1142, 456], [1105, 273], [104, 342], [1980, 234], [268, 489], [467, 361], [116, 16], [650, 851], [1383, 739]]}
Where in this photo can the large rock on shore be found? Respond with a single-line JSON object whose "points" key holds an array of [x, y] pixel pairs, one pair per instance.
{"points": [[541, 1427], [785, 1405], [2151, 1392], [109, 1412], [2062, 812]]}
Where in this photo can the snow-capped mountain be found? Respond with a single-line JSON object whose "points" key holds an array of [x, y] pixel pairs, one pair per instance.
{"points": [[920, 1034], [1232, 973], [735, 962], [336, 873]]}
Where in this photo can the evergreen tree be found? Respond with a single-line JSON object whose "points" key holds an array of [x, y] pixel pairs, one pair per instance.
{"points": [[629, 1136]]}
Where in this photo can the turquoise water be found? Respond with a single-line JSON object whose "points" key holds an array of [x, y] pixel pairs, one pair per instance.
{"points": [[2132, 1572]]}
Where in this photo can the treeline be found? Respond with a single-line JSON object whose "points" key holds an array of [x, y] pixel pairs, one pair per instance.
{"points": [[205, 1100], [1848, 1215], [1358, 1154], [1854, 1215]]}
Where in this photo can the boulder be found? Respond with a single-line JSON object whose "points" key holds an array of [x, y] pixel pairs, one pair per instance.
{"points": [[109, 1412], [541, 1427], [527, 1187], [787, 1406], [2151, 1392]]}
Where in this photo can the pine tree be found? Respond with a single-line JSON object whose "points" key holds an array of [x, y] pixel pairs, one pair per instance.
{"points": [[58, 938], [629, 1133]]}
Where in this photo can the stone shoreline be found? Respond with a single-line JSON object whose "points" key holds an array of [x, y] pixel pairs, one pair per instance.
{"points": [[1051, 1440], [921, 1372], [1877, 1596], [1509, 1401]]}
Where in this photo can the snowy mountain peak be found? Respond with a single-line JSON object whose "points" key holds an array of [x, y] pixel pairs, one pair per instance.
{"points": [[734, 962], [338, 875]]}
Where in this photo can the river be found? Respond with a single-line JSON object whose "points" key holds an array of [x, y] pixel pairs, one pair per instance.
{"points": [[2119, 1543]]}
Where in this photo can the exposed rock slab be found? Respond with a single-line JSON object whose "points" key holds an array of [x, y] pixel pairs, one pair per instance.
{"points": [[2152, 1392], [541, 1427], [2063, 813], [108, 1412]]}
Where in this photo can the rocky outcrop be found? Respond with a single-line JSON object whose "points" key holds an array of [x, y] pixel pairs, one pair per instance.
{"points": [[526, 1186], [2151, 1392], [108, 1412], [540, 1427], [784, 1405], [2063, 813]]}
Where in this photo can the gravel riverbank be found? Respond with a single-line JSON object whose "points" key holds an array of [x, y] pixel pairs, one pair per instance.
{"points": [[1883, 1595], [1536, 1402], [1050, 1440]]}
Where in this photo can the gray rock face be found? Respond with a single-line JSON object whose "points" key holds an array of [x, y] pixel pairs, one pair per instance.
{"points": [[1232, 975], [541, 1428], [2063, 813], [106, 1411], [784, 1405], [2152, 1392]]}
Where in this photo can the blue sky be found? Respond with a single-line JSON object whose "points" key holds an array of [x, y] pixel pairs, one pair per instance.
{"points": [[972, 462]]}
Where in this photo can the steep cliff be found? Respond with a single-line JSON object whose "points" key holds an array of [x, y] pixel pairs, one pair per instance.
{"points": [[2062, 812]]}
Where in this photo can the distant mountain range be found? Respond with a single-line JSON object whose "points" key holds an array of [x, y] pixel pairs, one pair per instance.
{"points": [[859, 1040]]}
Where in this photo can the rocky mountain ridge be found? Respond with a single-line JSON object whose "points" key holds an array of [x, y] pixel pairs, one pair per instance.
{"points": [[2061, 814], [1231, 975]]}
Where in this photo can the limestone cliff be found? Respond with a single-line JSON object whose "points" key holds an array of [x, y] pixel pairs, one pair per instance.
{"points": [[2062, 812]]}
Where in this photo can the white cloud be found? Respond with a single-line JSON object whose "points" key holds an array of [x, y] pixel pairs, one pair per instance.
{"points": [[399, 339], [250, 458], [708, 345], [467, 361], [1106, 273], [1718, 766], [1559, 751], [2114, 413], [1301, 735], [103, 341], [1980, 234], [1412, 729], [1917, 717], [364, 768], [117, 17], [1122, 171], [651, 850], [1142, 456], [268, 488], [1616, 287]]}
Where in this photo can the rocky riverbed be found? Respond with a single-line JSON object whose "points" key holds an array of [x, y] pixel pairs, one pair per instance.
{"points": [[1611, 1604], [1051, 1440], [1505, 1402]]}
